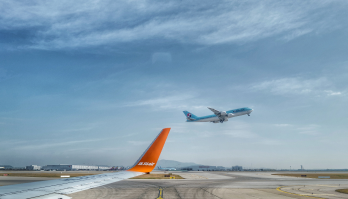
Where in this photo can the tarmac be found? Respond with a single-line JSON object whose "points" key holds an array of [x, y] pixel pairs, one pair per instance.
{"points": [[211, 185], [218, 185], [10, 180]]}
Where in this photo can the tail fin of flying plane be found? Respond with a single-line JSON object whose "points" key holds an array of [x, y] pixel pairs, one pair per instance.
{"points": [[189, 115], [147, 162]]}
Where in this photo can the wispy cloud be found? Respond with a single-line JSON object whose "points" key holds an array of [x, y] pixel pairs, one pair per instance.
{"points": [[297, 86], [311, 129], [171, 101], [80, 128], [296, 33], [161, 57], [282, 125], [240, 130], [329, 92], [138, 142], [241, 134], [201, 129], [9, 143], [47, 144], [272, 142], [3, 74], [71, 24], [179, 101], [162, 102]]}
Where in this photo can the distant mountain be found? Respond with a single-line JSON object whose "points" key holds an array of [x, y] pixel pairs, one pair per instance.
{"points": [[173, 163]]}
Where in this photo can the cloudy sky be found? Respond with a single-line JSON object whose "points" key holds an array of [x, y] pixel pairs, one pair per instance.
{"points": [[93, 82]]}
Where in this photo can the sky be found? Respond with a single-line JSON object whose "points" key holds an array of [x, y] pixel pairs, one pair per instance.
{"points": [[93, 82]]}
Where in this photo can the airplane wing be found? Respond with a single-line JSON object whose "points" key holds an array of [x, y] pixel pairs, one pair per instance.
{"points": [[216, 112], [54, 189]]}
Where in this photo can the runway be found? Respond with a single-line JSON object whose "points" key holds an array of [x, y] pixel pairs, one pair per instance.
{"points": [[210, 185], [218, 185]]}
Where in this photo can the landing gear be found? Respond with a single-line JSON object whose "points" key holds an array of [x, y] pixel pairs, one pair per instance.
{"points": [[248, 114], [221, 121]]}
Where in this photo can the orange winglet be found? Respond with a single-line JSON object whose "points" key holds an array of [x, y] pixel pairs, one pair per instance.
{"points": [[147, 162]]}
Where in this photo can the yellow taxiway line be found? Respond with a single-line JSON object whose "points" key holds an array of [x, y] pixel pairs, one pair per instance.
{"points": [[279, 189]]}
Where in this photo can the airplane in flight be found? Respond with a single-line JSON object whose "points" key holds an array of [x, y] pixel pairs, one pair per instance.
{"points": [[219, 116], [53, 189]]}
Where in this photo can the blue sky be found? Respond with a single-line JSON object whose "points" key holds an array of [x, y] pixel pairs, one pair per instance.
{"points": [[93, 82]]}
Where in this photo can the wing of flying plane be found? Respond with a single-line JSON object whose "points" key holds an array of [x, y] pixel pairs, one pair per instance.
{"points": [[54, 189], [222, 115], [216, 112]]}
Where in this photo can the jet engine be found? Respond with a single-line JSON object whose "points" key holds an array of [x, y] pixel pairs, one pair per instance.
{"points": [[223, 113]]}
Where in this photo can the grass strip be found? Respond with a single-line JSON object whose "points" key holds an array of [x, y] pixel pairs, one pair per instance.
{"points": [[315, 175], [157, 176], [342, 190]]}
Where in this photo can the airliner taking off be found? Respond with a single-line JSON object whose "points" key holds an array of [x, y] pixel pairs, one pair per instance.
{"points": [[53, 189], [219, 116]]}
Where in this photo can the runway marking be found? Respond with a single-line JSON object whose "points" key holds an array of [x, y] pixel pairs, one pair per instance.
{"points": [[210, 193], [198, 176], [177, 192], [279, 189], [325, 185], [160, 193], [321, 194]]}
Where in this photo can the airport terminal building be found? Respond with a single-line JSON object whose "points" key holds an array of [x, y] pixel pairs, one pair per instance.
{"points": [[33, 168], [71, 167], [6, 167], [237, 168], [212, 168], [200, 168]]}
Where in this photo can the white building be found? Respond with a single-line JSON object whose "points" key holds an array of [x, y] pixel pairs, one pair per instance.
{"points": [[6, 167], [200, 168], [33, 168], [70, 167], [220, 168], [104, 168]]}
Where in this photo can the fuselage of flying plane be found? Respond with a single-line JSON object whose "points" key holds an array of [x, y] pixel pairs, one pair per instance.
{"points": [[219, 116]]}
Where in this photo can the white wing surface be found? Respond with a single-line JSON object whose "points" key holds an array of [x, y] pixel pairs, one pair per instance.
{"points": [[55, 189], [216, 112]]}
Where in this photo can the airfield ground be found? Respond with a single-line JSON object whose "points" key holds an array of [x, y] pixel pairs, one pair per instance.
{"points": [[212, 185], [316, 175], [342, 191], [158, 176], [47, 175]]}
